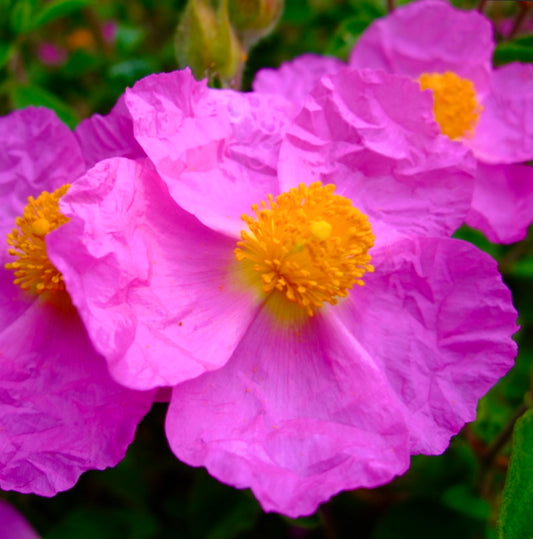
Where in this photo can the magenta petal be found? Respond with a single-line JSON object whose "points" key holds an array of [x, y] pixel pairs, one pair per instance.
{"points": [[13, 524], [204, 143], [437, 320], [504, 133], [295, 79], [101, 137], [39, 153], [502, 206], [296, 415], [150, 281], [60, 412], [372, 134], [429, 36]]}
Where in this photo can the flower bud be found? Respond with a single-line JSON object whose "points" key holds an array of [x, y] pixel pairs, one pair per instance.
{"points": [[206, 42], [254, 19]]}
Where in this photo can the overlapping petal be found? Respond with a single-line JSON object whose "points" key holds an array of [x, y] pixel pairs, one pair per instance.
{"points": [[434, 37], [294, 80], [61, 413], [372, 135], [437, 320], [205, 142], [302, 412], [150, 281], [39, 153], [297, 414], [502, 205], [429, 36], [505, 130], [101, 137]]}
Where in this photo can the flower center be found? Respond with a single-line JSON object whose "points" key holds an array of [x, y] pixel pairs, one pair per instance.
{"points": [[33, 270], [454, 103], [310, 245]]}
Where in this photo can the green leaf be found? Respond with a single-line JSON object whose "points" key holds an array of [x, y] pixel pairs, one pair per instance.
{"points": [[58, 8], [24, 96], [516, 515], [22, 16], [5, 53], [344, 38], [463, 500], [518, 50]]}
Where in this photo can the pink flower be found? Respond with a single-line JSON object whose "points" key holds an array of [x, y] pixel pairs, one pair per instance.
{"points": [[13, 524], [426, 39], [60, 412], [51, 54], [288, 379]]}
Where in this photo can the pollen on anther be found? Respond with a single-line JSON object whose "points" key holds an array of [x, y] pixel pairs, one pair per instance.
{"points": [[310, 245], [33, 269], [455, 104]]}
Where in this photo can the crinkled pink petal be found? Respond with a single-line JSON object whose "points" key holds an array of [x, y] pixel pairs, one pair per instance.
{"points": [[372, 135], [300, 413], [429, 36], [504, 133], [149, 280], [38, 153], [13, 524], [502, 206], [60, 412], [293, 80], [216, 150], [437, 320], [101, 137], [297, 415]]}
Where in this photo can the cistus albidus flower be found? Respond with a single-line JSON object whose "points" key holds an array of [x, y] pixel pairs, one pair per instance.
{"points": [[60, 412], [296, 284], [449, 51]]}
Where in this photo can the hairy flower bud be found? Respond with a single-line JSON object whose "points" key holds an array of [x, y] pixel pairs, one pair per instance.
{"points": [[254, 19], [206, 42]]}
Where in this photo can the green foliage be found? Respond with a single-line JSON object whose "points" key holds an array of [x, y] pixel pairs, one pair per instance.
{"points": [[58, 8], [26, 95], [345, 37], [22, 16], [6, 50], [518, 50], [516, 516]]}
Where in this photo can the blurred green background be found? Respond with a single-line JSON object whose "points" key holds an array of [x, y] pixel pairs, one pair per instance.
{"points": [[77, 57]]}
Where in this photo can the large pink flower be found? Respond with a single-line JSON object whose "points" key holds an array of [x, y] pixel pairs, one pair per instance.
{"points": [[60, 411], [432, 37], [294, 406]]}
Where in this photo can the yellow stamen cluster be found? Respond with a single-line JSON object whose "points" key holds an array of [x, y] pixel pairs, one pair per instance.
{"points": [[308, 244], [33, 270], [455, 104]]}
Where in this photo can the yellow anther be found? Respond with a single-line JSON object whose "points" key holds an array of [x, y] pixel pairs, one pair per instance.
{"points": [[310, 245], [455, 103], [33, 269]]}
